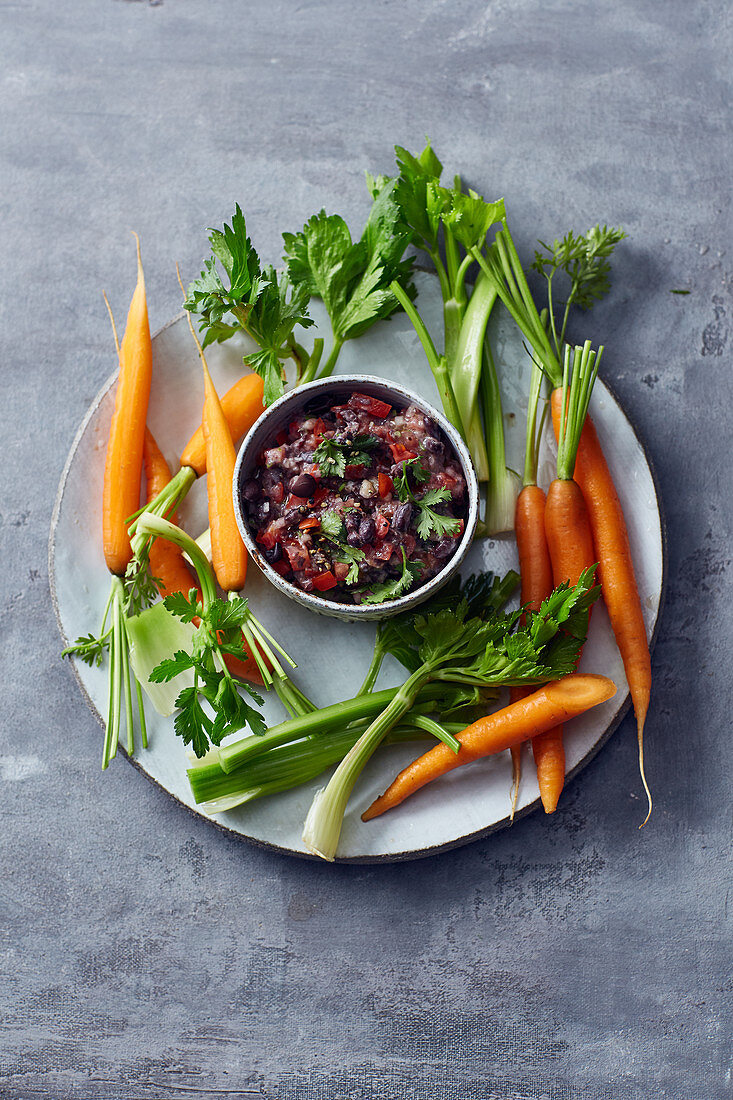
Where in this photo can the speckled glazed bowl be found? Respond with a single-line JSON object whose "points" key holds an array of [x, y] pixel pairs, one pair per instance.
{"points": [[278, 416]]}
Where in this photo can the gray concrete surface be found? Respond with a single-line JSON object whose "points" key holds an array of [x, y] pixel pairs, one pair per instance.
{"points": [[144, 954]]}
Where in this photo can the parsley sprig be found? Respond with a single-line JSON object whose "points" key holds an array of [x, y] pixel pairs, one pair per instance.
{"points": [[213, 705], [253, 300], [454, 646]]}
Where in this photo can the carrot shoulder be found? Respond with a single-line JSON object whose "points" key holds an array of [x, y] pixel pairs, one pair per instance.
{"points": [[123, 466], [228, 555], [546, 708], [242, 406]]}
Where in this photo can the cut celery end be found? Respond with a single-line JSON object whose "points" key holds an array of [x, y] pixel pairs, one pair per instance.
{"points": [[154, 635], [501, 502]]}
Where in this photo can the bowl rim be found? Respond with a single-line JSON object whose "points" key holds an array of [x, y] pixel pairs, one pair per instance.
{"points": [[320, 603]]}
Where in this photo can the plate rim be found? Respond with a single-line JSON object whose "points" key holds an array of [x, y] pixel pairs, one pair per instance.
{"points": [[391, 857]]}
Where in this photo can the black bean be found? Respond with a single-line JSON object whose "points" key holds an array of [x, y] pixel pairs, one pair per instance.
{"points": [[274, 554], [367, 529], [270, 479], [352, 520], [444, 549], [431, 446], [303, 486], [250, 490], [354, 538], [402, 517]]}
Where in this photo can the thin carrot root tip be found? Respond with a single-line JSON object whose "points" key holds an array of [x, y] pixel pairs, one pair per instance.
{"points": [[643, 774]]}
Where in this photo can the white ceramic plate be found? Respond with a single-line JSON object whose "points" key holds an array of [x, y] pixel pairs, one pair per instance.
{"points": [[333, 656]]}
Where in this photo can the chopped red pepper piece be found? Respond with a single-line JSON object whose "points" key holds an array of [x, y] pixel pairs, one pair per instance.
{"points": [[320, 495], [323, 581], [371, 405], [310, 521], [400, 453], [386, 484]]}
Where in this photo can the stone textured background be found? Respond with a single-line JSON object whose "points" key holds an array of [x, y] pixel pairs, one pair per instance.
{"points": [[146, 955]]}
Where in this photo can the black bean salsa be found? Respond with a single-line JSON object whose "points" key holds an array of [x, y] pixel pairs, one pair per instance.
{"points": [[357, 499]]}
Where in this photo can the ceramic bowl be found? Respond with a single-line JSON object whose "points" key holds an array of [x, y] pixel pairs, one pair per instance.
{"points": [[278, 416]]}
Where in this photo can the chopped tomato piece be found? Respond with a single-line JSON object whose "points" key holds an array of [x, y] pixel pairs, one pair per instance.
{"points": [[384, 552], [282, 567], [320, 495], [371, 405], [382, 525], [277, 493], [298, 556], [341, 570], [323, 581], [319, 428], [296, 502], [354, 471], [310, 521], [386, 484], [400, 453], [271, 534]]}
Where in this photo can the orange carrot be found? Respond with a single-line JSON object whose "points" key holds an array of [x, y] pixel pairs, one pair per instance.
{"points": [[123, 466], [228, 555], [542, 710], [535, 570], [567, 528], [166, 558], [615, 569], [242, 405]]}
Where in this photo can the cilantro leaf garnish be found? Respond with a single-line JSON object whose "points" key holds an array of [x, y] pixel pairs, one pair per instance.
{"points": [[331, 523], [415, 469], [330, 458], [429, 522], [432, 523], [332, 529], [390, 590], [333, 458]]}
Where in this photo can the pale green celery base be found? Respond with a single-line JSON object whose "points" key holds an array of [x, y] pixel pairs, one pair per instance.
{"points": [[501, 502], [155, 634]]}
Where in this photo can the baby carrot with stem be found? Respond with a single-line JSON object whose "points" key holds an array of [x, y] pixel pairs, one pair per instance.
{"points": [[535, 570], [569, 537], [542, 710], [123, 465], [228, 554], [121, 497], [585, 260], [616, 572]]}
